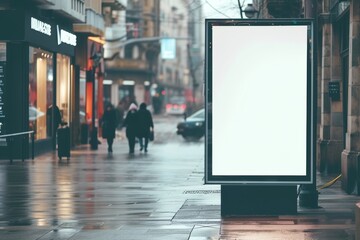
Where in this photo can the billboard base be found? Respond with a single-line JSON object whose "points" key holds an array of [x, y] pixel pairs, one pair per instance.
{"points": [[239, 200]]}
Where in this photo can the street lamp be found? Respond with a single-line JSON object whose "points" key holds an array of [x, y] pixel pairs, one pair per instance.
{"points": [[249, 11]]}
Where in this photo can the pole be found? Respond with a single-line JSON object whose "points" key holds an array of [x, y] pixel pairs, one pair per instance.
{"points": [[240, 8], [32, 145], [193, 76], [93, 139], [308, 196]]}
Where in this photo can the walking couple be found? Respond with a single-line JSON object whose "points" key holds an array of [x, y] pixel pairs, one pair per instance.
{"points": [[139, 124]]}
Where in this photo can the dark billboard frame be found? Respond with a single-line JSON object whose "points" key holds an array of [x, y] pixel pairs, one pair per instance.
{"points": [[311, 106]]}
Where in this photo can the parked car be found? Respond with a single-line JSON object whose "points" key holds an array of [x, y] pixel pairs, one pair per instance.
{"points": [[193, 127], [176, 105]]}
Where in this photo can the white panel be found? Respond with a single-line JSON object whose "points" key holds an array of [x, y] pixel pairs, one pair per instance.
{"points": [[259, 100]]}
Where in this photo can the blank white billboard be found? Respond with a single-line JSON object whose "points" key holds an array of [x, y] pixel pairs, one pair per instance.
{"points": [[260, 104], [168, 48]]}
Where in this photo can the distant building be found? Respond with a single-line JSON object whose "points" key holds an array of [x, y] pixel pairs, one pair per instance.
{"points": [[196, 54], [131, 52], [174, 74]]}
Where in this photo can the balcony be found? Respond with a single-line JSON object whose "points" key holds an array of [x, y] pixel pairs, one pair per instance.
{"points": [[115, 33], [129, 64], [115, 4], [72, 9], [115, 37], [94, 24], [46, 2]]}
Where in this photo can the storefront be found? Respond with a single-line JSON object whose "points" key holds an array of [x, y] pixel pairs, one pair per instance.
{"points": [[89, 59], [37, 55]]}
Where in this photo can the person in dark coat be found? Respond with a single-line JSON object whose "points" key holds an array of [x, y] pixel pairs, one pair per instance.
{"points": [[53, 110], [145, 125], [130, 123], [108, 123]]}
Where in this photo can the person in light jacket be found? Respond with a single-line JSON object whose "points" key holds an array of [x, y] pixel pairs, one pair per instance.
{"points": [[131, 126]]}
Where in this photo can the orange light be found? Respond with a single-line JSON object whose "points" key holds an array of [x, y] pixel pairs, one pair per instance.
{"points": [[97, 40], [89, 101]]}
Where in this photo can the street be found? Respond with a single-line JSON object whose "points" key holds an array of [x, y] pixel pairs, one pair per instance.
{"points": [[96, 191], [154, 195]]}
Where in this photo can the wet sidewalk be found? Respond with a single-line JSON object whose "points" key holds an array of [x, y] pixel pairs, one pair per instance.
{"points": [[154, 195]]}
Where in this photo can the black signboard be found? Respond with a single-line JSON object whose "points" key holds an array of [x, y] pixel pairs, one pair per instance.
{"points": [[49, 35], [38, 31], [2, 99], [334, 91]]}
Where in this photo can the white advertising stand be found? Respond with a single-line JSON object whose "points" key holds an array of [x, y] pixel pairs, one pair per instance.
{"points": [[260, 112]]}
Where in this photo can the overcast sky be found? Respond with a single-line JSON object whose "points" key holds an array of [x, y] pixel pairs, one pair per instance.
{"points": [[223, 8]]}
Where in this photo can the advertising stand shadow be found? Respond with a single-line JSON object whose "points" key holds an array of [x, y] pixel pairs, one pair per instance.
{"points": [[260, 113]]}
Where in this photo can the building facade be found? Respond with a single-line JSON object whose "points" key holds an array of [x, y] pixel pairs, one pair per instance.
{"points": [[131, 52], [90, 67], [174, 75], [51, 56], [339, 101], [338, 71], [195, 55]]}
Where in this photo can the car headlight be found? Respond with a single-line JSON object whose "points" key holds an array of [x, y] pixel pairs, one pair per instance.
{"points": [[198, 124]]}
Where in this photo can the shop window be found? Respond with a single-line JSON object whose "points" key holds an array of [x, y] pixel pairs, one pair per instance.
{"points": [[129, 51], [63, 86], [2, 51], [136, 52], [82, 93], [40, 92]]}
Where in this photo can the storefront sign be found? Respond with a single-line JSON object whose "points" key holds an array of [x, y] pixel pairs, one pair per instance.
{"points": [[48, 35], [40, 26], [37, 31], [65, 37]]}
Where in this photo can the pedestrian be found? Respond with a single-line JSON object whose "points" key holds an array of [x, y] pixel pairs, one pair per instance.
{"points": [[53, 110], [108, 124], [119, 115], [131, 126], [145, 126]]}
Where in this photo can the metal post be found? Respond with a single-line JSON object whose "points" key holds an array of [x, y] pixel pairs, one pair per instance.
{"points": [[32, 144], [309, 195], [23, 147], [10, 149], [93, 138], [240, 8]]}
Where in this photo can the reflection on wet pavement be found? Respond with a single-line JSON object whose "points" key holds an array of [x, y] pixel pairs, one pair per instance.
{"points": [[157, 195]]}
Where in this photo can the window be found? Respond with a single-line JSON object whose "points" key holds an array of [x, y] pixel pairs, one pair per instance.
{"points": [[63, 86], [2, 51], [82, 93], [40, 91]]}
